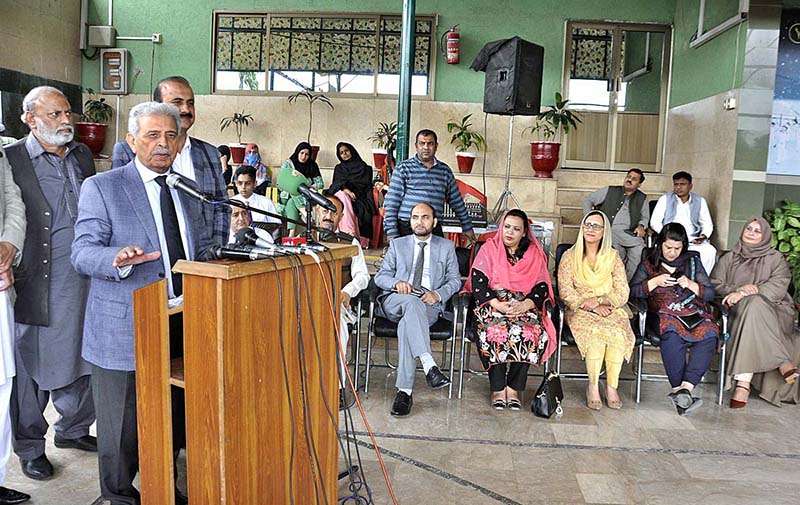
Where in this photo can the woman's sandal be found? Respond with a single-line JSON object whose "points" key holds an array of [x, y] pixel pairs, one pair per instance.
{"points": [[514, 404], [499, 404], [790, 376], [593, 404], [738, 404]]}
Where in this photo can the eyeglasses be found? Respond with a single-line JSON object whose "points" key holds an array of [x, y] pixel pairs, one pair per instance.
{"points": [[593, 226]]}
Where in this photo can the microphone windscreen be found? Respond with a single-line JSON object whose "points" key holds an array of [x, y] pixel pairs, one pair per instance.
{"points": [[289, 183]]}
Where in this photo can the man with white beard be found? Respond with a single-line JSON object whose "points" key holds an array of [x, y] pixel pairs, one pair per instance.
{"points": [[49, 168]]}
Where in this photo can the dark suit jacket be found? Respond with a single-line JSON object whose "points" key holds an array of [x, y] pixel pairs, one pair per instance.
{"points": [[114, 212], [208, 172], [32, 277]]}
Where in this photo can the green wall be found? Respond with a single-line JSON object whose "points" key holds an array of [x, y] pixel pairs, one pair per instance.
{"points": [[186, 27], [644, 92], [707, 70]]}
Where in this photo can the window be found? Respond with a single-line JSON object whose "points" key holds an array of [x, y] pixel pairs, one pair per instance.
{"points": [[616, 76], [322, 52]]}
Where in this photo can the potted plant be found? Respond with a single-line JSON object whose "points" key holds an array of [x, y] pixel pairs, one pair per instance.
{"points": [[464, 138], [551, 125], [311, 97], [785, 224], [239, 120], [91, 129], [385, 137]]}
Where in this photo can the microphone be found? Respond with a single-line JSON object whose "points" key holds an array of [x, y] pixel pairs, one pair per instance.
{"points": [[335, 236], [316, 197], [241, 253], [249, 236], [175, 181]]}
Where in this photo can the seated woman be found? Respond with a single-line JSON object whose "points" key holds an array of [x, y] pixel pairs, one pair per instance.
{"points": [[225, 161], [354, 177], [676, 287], [510, 285], [593, 285], [754, 280], [252, 158], [299, 168]]}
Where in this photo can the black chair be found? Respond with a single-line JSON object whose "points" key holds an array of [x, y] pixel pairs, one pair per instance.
{"points": [[357, 306], [443, 330], [565, 336]]}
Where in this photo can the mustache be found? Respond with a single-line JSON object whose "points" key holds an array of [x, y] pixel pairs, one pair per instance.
{"points": [[161, 150]]}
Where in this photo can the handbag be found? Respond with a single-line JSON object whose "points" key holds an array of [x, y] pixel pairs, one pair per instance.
{"points": [[548, 398]]}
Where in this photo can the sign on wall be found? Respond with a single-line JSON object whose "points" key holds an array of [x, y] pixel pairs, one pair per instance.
{"points": [[784, 138]]}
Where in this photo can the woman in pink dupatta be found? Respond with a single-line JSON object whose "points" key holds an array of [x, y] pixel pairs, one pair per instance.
{"points": [[510, 284]]}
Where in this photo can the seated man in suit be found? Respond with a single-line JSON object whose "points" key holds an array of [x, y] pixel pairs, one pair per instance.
{"points": [[426, 263], [355, 278], [691, 210], [240, 219], [131, 229]]}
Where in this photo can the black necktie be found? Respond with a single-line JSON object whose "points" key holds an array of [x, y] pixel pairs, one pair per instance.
{"points": [[172, 232], [419, 265]]}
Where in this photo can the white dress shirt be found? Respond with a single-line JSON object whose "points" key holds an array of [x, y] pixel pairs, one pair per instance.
{"points": [[183, 161], [426, 267], [358, 273], [257, 201], [154, 197]]}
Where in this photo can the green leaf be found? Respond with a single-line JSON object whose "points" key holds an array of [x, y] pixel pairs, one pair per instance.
{"points": [[780, 223], [774, 241], [784, 247]]}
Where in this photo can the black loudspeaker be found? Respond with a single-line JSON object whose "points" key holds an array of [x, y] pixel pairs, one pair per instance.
{"points": [[513, 84]]}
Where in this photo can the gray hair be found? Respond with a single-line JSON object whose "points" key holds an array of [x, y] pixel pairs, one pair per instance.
{"points": [[35, 95], [152, 109]]}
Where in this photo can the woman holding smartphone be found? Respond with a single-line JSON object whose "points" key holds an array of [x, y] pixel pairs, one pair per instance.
{"points": [[677, 288]]}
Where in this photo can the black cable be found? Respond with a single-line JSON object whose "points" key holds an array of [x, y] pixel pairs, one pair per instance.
{"points": [[301, 358], [94, 56], [349, 425], [285, 379]]}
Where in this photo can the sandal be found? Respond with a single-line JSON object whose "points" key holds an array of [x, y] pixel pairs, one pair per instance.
{"points": [[738, 404], [499, 404], [593, 404], [791, 376], [514, 404]]}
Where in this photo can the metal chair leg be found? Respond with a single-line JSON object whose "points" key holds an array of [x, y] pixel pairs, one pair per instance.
{"points": [[558, 347], [722, 356], [369, 346], [639, 373]]}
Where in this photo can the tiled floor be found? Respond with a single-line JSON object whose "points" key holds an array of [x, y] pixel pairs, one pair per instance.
{"points": [[462, 451]]}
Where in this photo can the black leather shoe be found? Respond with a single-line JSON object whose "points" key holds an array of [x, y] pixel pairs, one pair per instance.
{"points": [[37, 469], [86, 443], [11, 496], [402, 404], [436, 379]]}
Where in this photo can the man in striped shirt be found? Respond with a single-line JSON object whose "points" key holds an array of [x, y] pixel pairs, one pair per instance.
{"points": [[423, 179]]}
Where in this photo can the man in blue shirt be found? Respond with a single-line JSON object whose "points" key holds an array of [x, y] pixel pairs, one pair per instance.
{"points": [[423, 179]]}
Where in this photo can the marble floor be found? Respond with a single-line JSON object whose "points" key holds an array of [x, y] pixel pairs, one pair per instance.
{"points": [[452, 451]]}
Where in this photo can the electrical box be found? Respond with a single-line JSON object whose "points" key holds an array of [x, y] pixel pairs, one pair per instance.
{"points": [[114, 71], [102, 36]]}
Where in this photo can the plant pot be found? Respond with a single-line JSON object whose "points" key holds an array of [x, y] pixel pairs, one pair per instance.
{"points": [[314, 152], [93, 135], [544, 158], [379, 157], [237, 153], [465, 161]]}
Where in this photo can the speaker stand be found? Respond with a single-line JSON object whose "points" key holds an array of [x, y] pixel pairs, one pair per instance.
{"points": [[502, 203]]}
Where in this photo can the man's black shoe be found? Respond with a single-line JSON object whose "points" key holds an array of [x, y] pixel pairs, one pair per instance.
{"points": [[37, 469], [11, 496], [180, 498], [436, 379], [402, 404], [86, 443]]}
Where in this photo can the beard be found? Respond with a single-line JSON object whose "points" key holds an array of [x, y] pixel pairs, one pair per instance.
{"points": [[53, 136]]}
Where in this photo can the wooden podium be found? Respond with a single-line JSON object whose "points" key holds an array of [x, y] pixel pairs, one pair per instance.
{"points": [[247, 444]]}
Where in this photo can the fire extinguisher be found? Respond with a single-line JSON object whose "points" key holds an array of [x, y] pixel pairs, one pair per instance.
{"points": [[451, 48]]}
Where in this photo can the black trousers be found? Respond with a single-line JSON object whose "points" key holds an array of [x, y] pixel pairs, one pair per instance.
{"points": [[513, 375], [404, 228], [114, 393]]}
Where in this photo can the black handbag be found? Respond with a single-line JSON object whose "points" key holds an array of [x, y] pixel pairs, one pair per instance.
{"points": [[691, 321], [548, 398]]}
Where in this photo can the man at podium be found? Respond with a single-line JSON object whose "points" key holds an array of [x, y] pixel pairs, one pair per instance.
{"points": [[131, 229]]}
